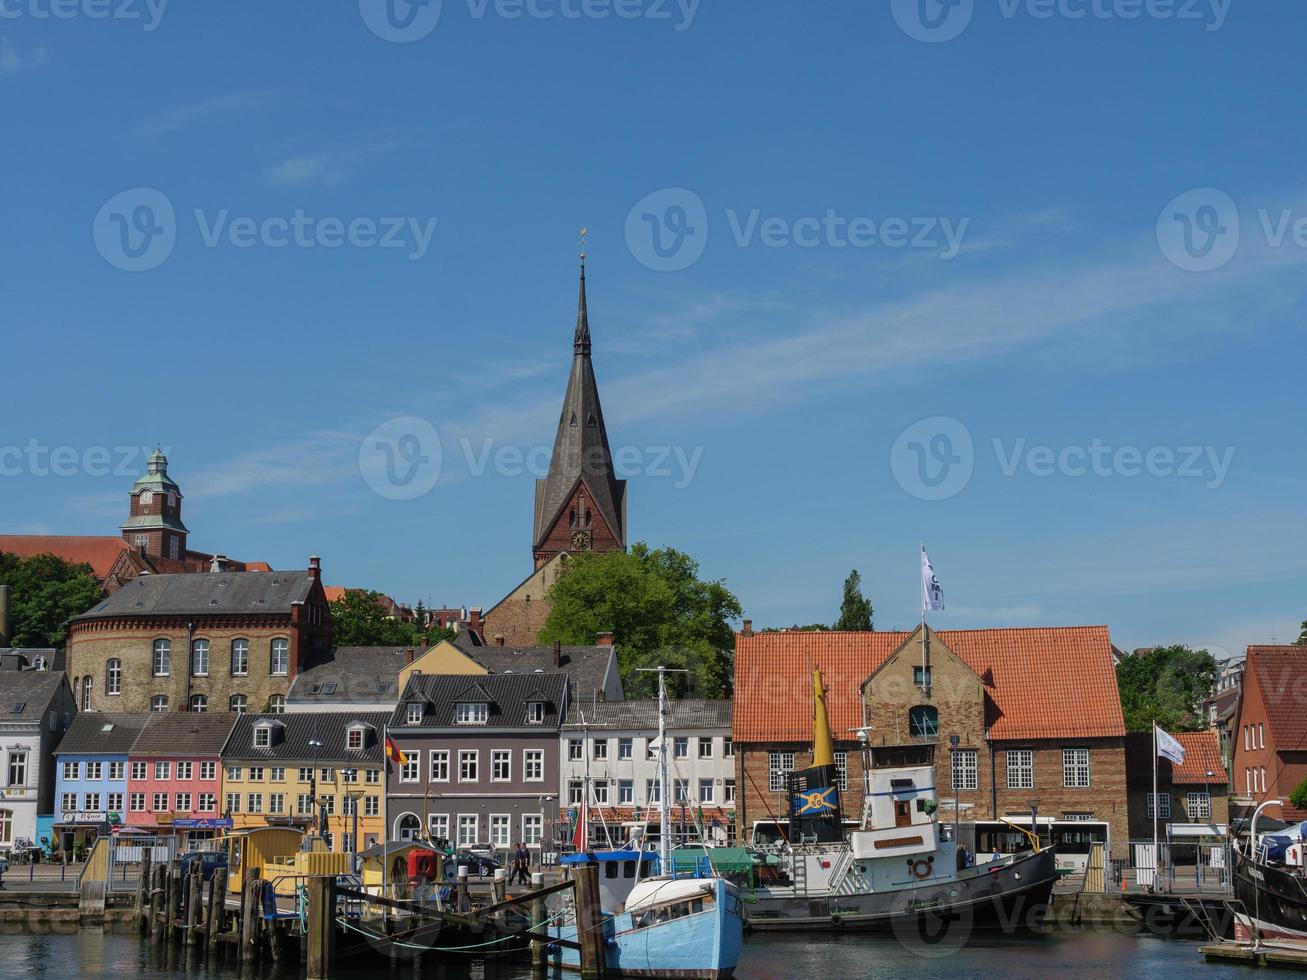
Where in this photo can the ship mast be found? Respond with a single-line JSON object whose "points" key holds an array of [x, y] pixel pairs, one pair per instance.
{"points": [[823, 743], [664, 810]]}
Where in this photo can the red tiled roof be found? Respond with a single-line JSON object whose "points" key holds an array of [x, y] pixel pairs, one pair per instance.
{"points": [[98, 551], [1281, 673], [1202, 754], [1044, 682]]}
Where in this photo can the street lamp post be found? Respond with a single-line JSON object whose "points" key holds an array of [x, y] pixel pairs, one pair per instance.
{"points": [[1034, 820], [354, 795], [315, 743]]}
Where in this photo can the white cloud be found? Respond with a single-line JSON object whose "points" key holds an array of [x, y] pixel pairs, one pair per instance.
{"points": [[11, 62], [180, 116]]}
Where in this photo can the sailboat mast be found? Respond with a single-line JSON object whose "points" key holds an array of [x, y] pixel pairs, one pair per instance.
{"points": [[664, 811]]}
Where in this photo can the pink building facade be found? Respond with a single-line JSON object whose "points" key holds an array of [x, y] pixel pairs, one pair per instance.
{"points": [[174, 776]]}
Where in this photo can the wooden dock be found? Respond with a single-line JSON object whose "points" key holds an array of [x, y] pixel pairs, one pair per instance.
{"points": [[1245, 953]]}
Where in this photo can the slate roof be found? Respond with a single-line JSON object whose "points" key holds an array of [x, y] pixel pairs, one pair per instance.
{"points": [[300, 728], [643, 715], [185, 733], [581, 446], [1280, 672], [1043, 682], [587, 666], [205, 593], [509, 694], [32, 689], [355, 672], [87, 734]]}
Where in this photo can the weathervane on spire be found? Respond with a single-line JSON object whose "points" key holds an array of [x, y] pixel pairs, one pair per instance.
{"points": [[584, 231]]}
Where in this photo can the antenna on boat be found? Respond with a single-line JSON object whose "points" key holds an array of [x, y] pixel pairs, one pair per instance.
{"points": [[664, 810]]}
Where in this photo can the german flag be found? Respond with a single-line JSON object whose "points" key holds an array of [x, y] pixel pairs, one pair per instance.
{"points": [[394, 754]]}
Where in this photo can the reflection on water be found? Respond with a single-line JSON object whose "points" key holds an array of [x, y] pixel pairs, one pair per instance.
{"points": [[92, 953]]}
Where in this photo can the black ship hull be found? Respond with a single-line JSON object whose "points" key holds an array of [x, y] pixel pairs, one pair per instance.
{"points": [[1011, 897], [1274, 901]]}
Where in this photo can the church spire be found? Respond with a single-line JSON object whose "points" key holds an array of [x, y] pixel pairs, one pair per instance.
{"points": [[580, 504]]}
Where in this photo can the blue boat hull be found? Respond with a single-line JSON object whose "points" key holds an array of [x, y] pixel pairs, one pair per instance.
{"points": [[701, 945]]}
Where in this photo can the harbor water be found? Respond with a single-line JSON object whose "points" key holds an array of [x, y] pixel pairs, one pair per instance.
{"points": [[1087, 956]]}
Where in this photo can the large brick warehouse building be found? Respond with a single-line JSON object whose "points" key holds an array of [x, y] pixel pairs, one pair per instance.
{"points": [[1036, 712]]}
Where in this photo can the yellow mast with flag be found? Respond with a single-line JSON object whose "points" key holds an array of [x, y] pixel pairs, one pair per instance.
{"points": [[823, 744]]}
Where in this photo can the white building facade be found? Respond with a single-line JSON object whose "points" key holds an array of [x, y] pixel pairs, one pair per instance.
{"points": [[608, 757], [36, 707]]}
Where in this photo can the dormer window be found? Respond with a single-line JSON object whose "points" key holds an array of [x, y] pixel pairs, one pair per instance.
{"points": [[535, 713], [356, 738], [471, 713], [262, 736], [413, 714]]}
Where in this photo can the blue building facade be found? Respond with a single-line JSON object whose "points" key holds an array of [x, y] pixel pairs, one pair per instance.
{"points": [[91, 770]]}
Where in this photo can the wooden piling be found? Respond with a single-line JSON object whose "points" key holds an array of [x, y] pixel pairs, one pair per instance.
{"points": [[217, 905], [537, 918], [158, 901], [194, 903], [175, 891], [321, 928], [499, 891], [250, 918], [589, 922], [464, 896], [143, 893]]}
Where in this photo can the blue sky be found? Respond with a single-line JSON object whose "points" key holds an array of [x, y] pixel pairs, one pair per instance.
{"points": [[1023, 285]]}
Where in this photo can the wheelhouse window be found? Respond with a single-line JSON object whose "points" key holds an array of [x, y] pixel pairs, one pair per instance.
{"points": [[923, 721]]}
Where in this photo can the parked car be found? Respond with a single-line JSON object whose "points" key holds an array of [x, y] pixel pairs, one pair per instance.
{"points": [[483, 849], [209, 861], [477, 864]]}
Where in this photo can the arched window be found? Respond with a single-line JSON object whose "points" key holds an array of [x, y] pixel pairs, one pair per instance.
{"points": [[199, 658], [240, 658], [199, 703], [280, 665], [277, 704], [238, 704], [159, 702], [162, 658], [113, 677], [408, 827], [923, 721], [86, 693], [77, 690]]}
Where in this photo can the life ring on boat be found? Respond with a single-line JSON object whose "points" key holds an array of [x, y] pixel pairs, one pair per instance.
{"points": [[921, 869]]}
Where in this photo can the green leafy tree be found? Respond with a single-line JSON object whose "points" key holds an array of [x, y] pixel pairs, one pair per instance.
{"points": [[1302, 637], [1299, 796], [359, 619], [1165, 685], [45, 592], [659, 612], [796, 628], [855, 610]]}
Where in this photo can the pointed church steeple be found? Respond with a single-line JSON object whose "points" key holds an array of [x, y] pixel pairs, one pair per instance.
{"points": [[580, 505]]}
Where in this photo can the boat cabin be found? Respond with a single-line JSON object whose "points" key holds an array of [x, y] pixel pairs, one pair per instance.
{"points": [[618, 873]]}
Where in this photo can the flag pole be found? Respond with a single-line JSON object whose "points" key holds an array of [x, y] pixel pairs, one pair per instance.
{"points": [[925, 653], [1157, 850]]}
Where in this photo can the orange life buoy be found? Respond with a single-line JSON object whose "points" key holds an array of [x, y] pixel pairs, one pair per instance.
{"points": [[921, 869]]}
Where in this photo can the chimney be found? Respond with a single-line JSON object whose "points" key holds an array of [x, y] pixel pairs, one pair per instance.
{"points": [[315, 567], [499, 640], [558, 653], [604, 639], [408, 656], [747, 628], [6, 623]]}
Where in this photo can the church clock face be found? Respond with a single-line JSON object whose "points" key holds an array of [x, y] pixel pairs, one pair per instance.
{"points": [[581, 541]]}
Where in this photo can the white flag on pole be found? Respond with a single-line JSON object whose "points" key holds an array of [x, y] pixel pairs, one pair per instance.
{"points": [[1169, 748], [932, 595]]}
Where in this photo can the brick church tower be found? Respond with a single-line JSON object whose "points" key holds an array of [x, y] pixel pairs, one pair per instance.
{"points": [[580, 506], [155, 522]]}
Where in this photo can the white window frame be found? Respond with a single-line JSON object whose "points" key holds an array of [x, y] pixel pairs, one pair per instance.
{"points": [[501, 825], [535, 713], [500, 757], [533, 829], [779, 766], [161, 658], [1075, 768], [625, 749], [533, 765], [1164, 810], [241, 667], [471, 713], [473, 756], [413, 713], [626, 792], [439, 758], [965, 769], [209, 770], [411, 770], [463, 818], [706, 784], [1020, 766], [279, 657], [199, 657], [113, 677]]}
